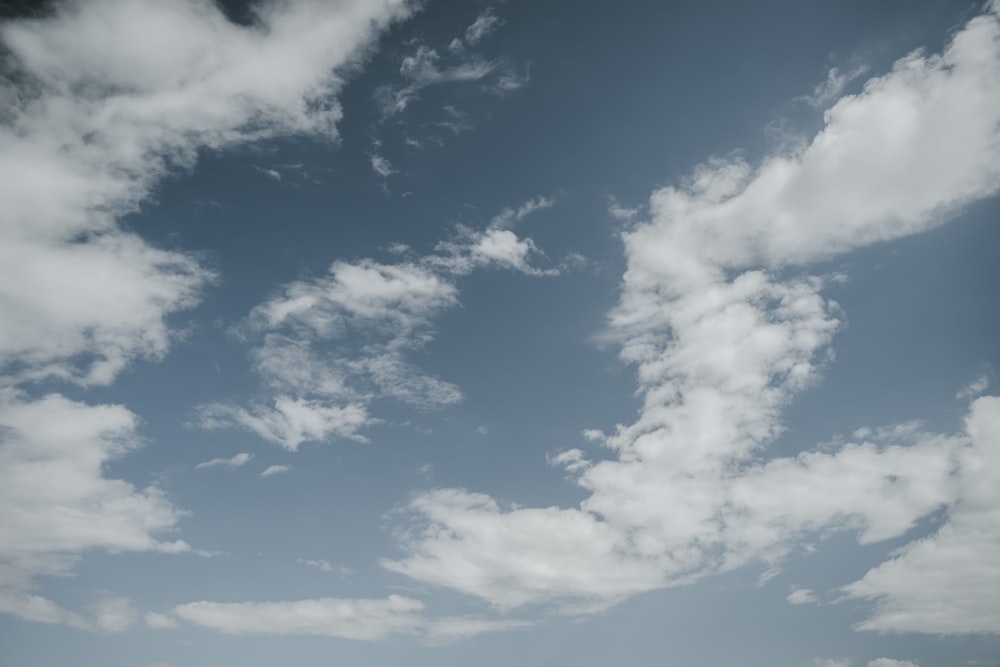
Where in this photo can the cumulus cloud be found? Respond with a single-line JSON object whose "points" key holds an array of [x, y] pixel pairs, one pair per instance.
{"points": [[101, 100], [328, 346], [109, 97], [232, 462], [724, 327], [946, 582], [57, 504]]}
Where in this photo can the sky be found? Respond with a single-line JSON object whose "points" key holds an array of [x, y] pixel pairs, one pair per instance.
{"points": [[379, 332]]}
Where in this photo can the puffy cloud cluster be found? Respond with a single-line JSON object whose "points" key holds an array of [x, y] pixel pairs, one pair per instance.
{"points": [[100, 100], [56, 504], [724, 328], [328, 346]]}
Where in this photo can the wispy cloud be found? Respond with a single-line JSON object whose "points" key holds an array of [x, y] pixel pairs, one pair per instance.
{"points": [[318, 563], [427, 67], [348, 618], [484, 24], [270, 471], [232, 462], [833, 86], [974, 388], [317, 396]]}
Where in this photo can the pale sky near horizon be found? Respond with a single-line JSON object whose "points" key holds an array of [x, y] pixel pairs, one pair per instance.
{"points": [[379, 332]]}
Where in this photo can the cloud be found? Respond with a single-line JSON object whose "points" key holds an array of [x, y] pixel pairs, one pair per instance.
{"points": [[270, 471], [381, 166], [348, 618], [974, 388], [831, 89], [724, 328], [108, 98], [484, 24], [273, 174], [367, 619], [802, 596], [427, 67], [158, 621], [290, 422], [57, 504], [511, 216], [114, 614], [232, 462], [319, 563], [326, 347], [889, 662], [322, 392], [945, 583], [457, 628], [101, 100]]}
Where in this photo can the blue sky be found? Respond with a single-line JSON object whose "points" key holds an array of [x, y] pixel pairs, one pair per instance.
{"points": [[381, 332]]}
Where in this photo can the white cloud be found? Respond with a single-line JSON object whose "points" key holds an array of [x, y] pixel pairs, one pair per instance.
{"points": [[359, 619], [802, 596], [484, 24], [496, 246], [426, 67], [57, 504], [331, 345], [721, 344], [159, 621], [511, 216], [946, 583], [830, 90], [232, 462], [889, 662], [317, 563], [322, 391], [115, 95], [423, 69], [290, 422], [270, 471], [380, 165], [457, 628], [274, 174], [367, 619], [974, 388], [832, 662], [107, 98], [114, 614]]}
